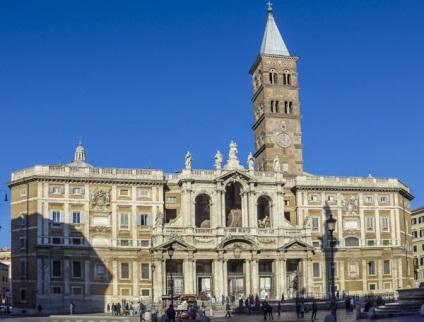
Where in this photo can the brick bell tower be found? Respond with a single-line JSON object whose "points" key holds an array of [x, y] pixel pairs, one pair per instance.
{"points": [[276, 105]]}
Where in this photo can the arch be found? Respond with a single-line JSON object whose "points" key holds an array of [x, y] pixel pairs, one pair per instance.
{"points": [[263, 213], [202, 215], [286, 77], [233, 204], [273, 77], [351, 242]]}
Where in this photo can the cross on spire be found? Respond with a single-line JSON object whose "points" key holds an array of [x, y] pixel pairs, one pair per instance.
{"points": [[269, 4]]}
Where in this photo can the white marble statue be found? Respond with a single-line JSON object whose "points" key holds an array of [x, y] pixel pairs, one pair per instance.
{"points": [[276, 164], [188, 160], [218, 160], [251, 161]]}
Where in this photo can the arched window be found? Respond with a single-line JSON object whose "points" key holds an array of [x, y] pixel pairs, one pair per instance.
{"points": [[274, 106], [286, 78], [288, 107], [202, 211], [351, 242], [233, 205], [273, 76], [263, 214]]}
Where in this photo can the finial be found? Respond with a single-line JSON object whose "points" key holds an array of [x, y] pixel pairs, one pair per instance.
{"points": [[80, 142], [269, 6]]}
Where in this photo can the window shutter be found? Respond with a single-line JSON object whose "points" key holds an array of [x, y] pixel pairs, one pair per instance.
{"points": [[62, 216], [51, 215], [82, 214], [50, 189], [82, 191], [138, 217], [310, 197], [70, 217], [149, 220]]}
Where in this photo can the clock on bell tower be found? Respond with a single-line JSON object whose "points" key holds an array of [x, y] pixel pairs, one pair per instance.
{"points": [[276, 105]]}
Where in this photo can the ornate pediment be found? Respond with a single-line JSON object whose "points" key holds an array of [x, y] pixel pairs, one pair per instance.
{"points": [[228, 241], [296, 245], [177, 244], [235, 175]]}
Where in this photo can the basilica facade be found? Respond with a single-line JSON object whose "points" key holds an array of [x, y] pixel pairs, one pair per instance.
{"points": [[96, 236]]}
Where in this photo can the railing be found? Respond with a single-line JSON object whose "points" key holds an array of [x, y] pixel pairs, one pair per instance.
{"points": [[367, 243], [81, 241], [203, 231]]}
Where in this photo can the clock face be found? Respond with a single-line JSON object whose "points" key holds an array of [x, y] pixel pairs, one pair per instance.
{"points": [[283, 140]]}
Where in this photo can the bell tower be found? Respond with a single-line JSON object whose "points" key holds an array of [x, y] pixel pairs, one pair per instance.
{"points": [[276, 105]]}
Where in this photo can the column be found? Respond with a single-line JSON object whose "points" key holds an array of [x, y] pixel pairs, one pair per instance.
{"points": [[252, 211], [158, 279], [244, 211], [310, 278], [284, 277], [394, 275], [188, 276], [39, 276], [277, 278], [87, 290], [115, 278], [364, 275], [217, 271], [225, 277], [342, 275], [400, 272], [66, 276], [136, 277], [248, 275], [255, 277]]}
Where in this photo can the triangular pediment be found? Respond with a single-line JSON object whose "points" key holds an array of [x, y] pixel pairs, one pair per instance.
{"points": [[296, 245], [176, 244], [236, 175]]}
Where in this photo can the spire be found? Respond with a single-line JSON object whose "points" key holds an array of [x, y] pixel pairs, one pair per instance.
{"points": [[79, 158], [273, 43]]}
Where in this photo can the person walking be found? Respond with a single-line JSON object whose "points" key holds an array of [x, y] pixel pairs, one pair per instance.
{"points": [[228, 308], [314, 310], [279, 308], [170, 313], [269, 308]]}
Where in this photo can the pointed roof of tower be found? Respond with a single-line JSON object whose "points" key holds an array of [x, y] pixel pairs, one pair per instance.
{"points": [[273, 43], [79, 158]]}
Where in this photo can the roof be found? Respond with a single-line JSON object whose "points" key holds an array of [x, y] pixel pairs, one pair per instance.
{"points": [[273, 43]]}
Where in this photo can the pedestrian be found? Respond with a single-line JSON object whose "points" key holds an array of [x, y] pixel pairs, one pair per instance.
{"points": [[170, 313], [279, 308], [282, 298], [108, 308], [228, 308], [298, 310], [40, 309], [314, 310], [271, 317], [302, 310], [265, 309]]}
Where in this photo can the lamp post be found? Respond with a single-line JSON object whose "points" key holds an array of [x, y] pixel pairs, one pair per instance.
{"points": [[171, 253], [331, 226], [153, 266]]}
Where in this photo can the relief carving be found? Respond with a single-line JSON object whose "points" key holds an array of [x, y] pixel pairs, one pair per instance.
{"points": [[100, 199]]}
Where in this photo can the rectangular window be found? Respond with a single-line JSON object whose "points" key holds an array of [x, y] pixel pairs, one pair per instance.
{"points": [[331, 198], [56, 190], [171, 199], [125, 242], [370, 223], [145, 271], [56, 240], [22, 219], [124, 220], [23, 292], [56, 217], [145, 292], [77, 191], [57, 290], [76, 217], [56, 269], [23, 192], [76, 269], [368, 199], [316, 244], [22, 243], [315, 224], [415, 248], [143, 220], [372, 286], [371, 268], [314, 198], [22, 268], [145, 243], [383, 199], [144, 194], [124, 192], [413, 221], [385, 224], [286, 202], [77, 290], [317, 269], [386, 267], [414, 234], [125, 270]]}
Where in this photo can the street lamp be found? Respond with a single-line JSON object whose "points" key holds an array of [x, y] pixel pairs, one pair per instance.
{"points": [[153, 266], [171, 253], [331, 226], [5, 195]]}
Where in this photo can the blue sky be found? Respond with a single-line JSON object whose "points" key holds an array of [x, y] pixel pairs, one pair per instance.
{"points": [[143, 82]]}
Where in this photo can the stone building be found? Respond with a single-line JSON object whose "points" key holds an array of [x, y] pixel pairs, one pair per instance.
{"points": [[94, 236], [417, 221]]}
